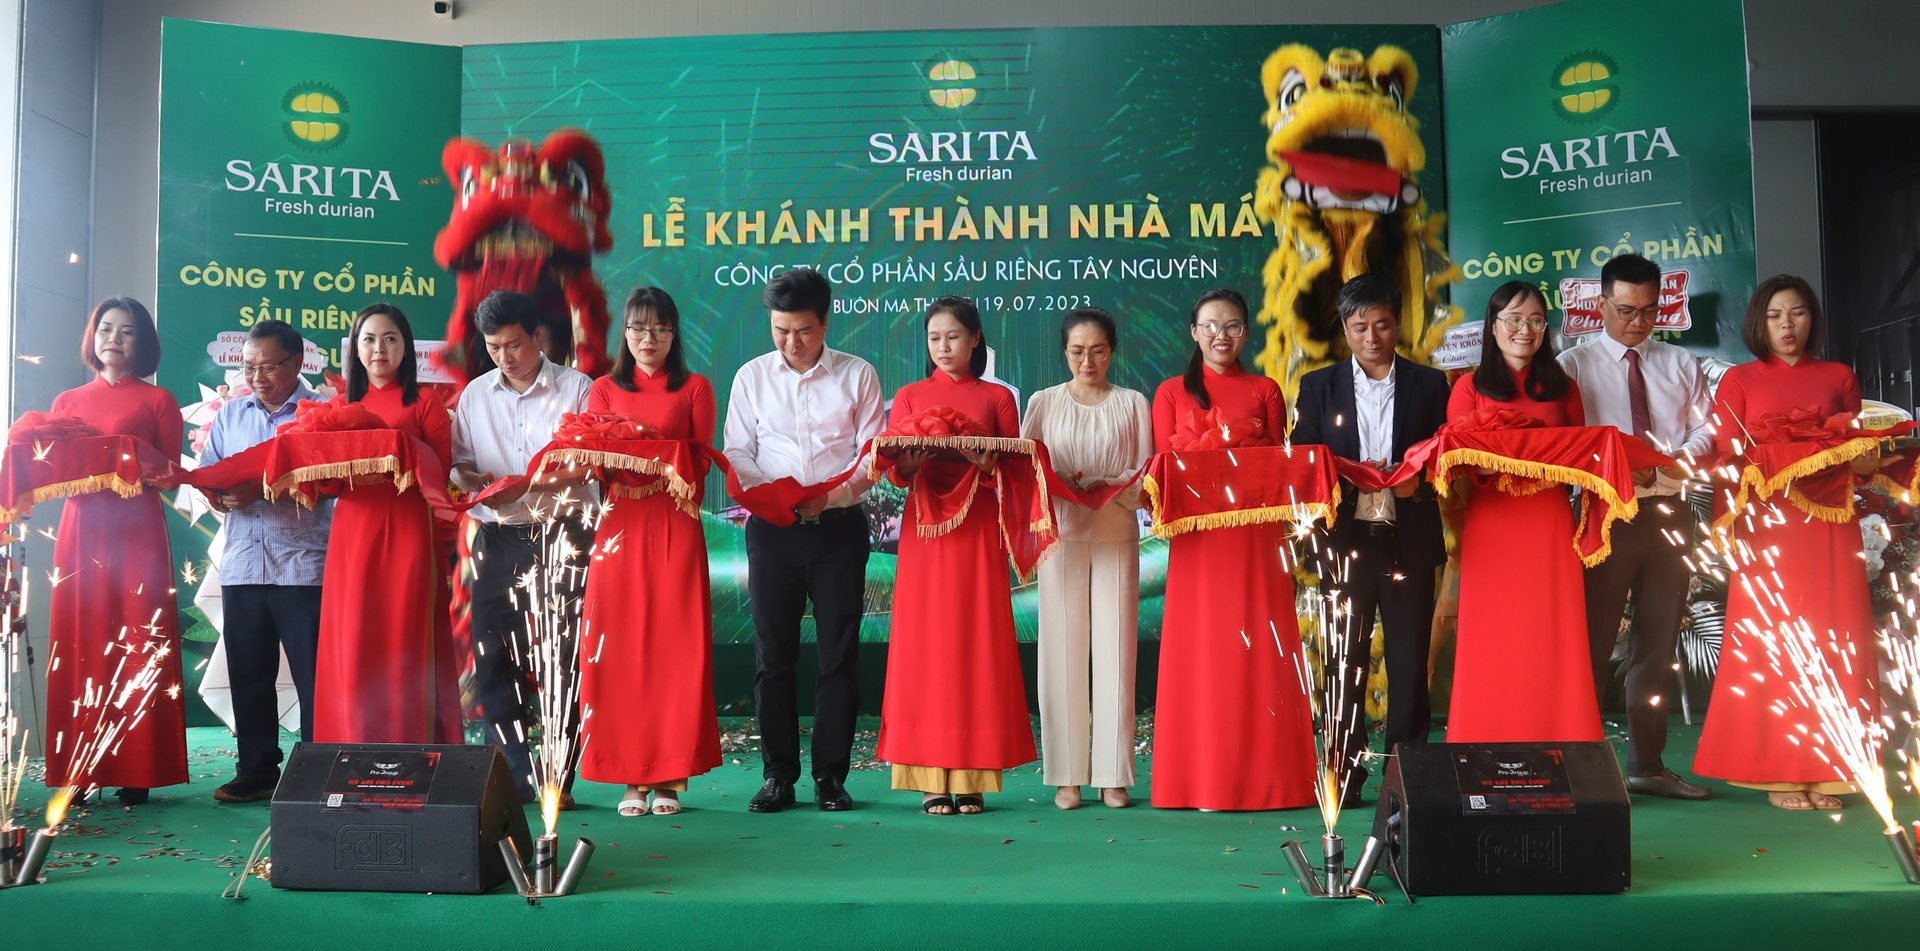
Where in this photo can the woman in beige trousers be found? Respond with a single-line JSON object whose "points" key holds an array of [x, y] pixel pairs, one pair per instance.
{"points": [[1098, 435]]}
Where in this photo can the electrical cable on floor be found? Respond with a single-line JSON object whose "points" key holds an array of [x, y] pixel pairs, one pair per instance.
{"points": [[257, 861]]}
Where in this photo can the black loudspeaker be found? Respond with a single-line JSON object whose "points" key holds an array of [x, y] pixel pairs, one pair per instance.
{"points": [[376, 817], [1506, 819]]}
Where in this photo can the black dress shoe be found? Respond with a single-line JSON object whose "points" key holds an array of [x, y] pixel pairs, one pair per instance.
{"points": [[241, 790], [1668, 784], [830, 795], [776, 795], [132, 796]]}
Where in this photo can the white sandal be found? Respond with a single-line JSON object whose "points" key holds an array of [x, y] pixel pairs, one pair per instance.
{"points": [[666, 805], [633, 807]]}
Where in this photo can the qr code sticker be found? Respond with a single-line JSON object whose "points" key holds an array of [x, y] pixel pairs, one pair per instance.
{"points": [[1476, 802], [334, 800]]}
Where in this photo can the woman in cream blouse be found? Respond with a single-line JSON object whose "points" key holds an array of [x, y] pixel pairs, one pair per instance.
{"points": [[1098, 434]]}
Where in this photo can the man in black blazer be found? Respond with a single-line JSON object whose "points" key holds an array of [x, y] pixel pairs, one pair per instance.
{"points": [[1371, 408]]}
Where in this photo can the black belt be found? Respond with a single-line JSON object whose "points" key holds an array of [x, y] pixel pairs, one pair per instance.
{"points": [[832, 515], [1379, 528]]}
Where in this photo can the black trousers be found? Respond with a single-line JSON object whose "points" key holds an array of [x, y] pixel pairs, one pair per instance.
{"points": [[502, 553], [825, 563], [260, 620], [1645, 566], [1403, 599]]}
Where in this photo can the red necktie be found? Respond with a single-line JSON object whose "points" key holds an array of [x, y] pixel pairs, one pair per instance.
{"points": [[1637, 398]]}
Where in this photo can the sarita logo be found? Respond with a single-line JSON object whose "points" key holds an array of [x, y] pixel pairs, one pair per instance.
{"points": [[950, 82], [1583, 87], [314, 111]]}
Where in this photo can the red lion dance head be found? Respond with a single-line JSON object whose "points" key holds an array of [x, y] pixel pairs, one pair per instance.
{"points": [[530, 221]]}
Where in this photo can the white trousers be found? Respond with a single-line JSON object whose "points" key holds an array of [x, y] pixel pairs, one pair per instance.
{"points": [[1089, 614]]}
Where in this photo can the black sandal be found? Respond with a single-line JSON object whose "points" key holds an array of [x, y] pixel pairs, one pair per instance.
{"points": [[928, 805], [961, 802]]}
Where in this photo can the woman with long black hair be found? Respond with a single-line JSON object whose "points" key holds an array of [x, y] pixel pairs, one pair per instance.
{"points": [[1522, 669], [384, 671], [1231, 725], [646, 664], [955, 712]]}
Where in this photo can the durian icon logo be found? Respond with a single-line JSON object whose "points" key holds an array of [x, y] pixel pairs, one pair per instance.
{"points": [[1583, 87], [952, 83], [314, 113]]}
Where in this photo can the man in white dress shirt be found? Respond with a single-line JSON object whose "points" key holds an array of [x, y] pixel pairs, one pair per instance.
{"points": [[505, 417], [804, 411], [1655, 391]]}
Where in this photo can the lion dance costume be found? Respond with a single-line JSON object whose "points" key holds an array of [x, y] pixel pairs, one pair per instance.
{"points": [[528, 220], [1342, 191]]}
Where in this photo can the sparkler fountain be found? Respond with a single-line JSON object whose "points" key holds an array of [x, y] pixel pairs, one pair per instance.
{"points": [[116, 708], [550, 594], [1845, 731], [1337, 720]]}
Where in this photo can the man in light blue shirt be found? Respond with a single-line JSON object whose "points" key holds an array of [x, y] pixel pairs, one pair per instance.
{"points": [[271, 567]]}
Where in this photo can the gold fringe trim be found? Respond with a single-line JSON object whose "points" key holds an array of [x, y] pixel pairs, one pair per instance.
{"points": [[1044, 525], [1753, 482], [351, 469], [1906, 493], [104, 482], [1618, 510], [926, 529], [1296, 512], [676, 483], [993, 443], [686, 506], [1580, 531]]}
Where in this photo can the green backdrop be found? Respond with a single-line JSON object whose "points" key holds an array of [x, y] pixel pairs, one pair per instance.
{"points": [[1131, 144], [299, 179], [1580, 130], [1034, 170]]}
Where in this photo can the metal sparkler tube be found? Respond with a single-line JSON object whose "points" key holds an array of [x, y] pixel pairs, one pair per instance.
{"points": [[36, 856], [1336, 867], [515, 870], [1903, 853], [13, 850], [1303, 871], [546, 860], [1369, 859], [577, 864]]}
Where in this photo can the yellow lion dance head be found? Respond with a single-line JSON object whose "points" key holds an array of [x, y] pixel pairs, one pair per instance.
{"points": [[1343, 193]]}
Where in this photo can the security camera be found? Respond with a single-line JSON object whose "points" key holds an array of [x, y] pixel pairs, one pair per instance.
{"points": [[443, 9]]}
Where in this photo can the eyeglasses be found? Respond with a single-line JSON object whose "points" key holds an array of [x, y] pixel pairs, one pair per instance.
{"points": [[1096, 354], [1516, 324], [263, 369], [1235, 329], [1634, 314], [657, 333]]}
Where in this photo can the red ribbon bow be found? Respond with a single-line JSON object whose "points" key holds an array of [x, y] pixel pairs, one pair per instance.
{"points": [[1217, 429], [330, 417], [35, 426]]}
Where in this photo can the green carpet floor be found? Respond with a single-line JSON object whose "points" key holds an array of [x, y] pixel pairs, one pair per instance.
{"points": [[1727, 873]]}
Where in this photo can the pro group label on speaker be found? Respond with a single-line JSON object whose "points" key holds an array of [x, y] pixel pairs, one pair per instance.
{"points": [[1512, 782], [378, 780]]}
